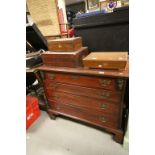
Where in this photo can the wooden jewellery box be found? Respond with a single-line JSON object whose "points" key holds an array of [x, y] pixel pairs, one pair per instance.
{"points": [[65, 44], [106, 60], [65, 59]]}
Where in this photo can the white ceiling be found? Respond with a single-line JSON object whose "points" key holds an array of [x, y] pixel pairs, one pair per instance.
{"points": [[73, 1]]}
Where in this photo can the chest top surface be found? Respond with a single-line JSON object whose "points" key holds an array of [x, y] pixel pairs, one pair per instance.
{"points": [[92, 72]]}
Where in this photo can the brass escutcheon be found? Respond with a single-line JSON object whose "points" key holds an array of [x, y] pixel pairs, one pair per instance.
{"points": [[105, 95], [56, 96], [52, 76], [105, 83]]}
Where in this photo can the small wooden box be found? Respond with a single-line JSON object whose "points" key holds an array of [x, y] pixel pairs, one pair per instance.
{"points": [[65, 59], [65, 44], [106, 60]]}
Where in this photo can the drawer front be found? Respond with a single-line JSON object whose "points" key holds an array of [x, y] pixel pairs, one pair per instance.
{"points": [[84, 91], [85, 115], [93, 105], [87, 81]]}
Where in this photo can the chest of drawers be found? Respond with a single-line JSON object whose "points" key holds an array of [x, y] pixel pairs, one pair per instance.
{"points": [[94, 97]]}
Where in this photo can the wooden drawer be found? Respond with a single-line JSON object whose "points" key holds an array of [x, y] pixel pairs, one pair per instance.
{"points": [[87, 81], [85, 115], [94, 105], [83, 91]]}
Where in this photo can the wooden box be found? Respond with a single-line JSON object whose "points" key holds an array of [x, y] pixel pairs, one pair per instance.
{"points": [[65, 59], [65, 44], [106, 60]]}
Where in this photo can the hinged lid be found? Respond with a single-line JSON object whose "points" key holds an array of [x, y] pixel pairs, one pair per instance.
{"points": [[65, 39], [107, 56]]}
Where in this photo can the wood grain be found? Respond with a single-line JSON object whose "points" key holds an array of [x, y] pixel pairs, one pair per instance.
{"points": [[84, 71], [85, 91], [65, 59], [83, 114], [65, 45], [94, 105], [86, 81]]}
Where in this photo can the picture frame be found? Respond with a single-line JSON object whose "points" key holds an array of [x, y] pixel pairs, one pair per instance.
{"points": [[93, 4], [103, 5], [109, 5]]}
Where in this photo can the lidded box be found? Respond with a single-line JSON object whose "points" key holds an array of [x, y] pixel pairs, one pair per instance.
{"points": [[65, 59], [106, 60], [65, 44]]}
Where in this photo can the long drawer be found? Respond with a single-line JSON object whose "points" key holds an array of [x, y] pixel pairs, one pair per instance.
{"points": [[82, 91], [94, 105], [87, 81], [85, 115]]}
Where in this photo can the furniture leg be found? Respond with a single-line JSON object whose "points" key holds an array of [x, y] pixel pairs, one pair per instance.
{"points": [[51, 114], [118, 137]]}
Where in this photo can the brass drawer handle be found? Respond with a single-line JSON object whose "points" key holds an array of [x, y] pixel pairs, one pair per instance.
{"points": [[105, 83], [58, 107], [105, 95], [120, 83], [103, 119], [56, 96], [74, 77], [103, 106], [52, 76], [53, 86]]}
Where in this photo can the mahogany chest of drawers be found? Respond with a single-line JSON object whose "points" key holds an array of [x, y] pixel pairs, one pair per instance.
{"points": [[94, 97]]}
